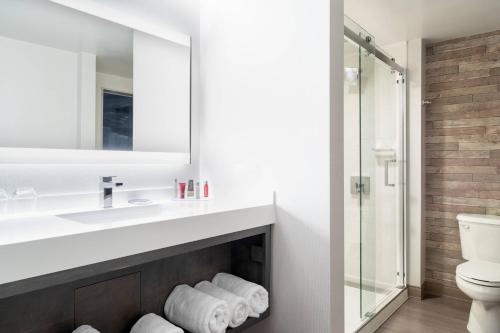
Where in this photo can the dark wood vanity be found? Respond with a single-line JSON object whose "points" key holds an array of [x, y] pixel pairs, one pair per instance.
{"points": [[112, 295]]}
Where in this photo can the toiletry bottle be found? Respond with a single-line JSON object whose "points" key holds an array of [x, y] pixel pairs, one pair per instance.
{"points": [[197, 190], [190, 190], [205, 189], [176, 188], [182, 190]]}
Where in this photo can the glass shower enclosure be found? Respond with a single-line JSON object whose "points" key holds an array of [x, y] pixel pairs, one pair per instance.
{"points": [[374, 179]]}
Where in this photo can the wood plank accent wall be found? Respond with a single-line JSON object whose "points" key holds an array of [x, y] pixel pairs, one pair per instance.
{"points": [[462, 147]]}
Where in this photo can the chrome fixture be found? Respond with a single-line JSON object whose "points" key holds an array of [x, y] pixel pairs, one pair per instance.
{"points": [[360, 185], [371, 48], [108, 185]]}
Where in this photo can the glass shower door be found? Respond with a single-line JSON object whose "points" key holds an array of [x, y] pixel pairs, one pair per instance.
{"points": [[374, 180], [381, 200], [353, 186]]}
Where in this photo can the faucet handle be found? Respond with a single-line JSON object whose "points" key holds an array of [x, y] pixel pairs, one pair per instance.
{"points": [[107, 179]]}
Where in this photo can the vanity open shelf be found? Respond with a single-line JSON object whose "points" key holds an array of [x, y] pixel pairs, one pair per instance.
{"points": [[112, 295]]}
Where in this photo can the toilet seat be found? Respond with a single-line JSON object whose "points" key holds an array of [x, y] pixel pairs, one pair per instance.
{"points": [[482, 273]]}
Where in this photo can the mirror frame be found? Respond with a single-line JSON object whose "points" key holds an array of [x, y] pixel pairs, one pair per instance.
{"points": [[9, 155]]}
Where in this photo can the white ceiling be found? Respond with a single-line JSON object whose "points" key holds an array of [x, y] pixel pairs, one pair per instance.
{"points": [[53, 25], [393, 21]]}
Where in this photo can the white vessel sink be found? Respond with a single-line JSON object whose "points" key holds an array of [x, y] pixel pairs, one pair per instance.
{"points": [[112, 215]]}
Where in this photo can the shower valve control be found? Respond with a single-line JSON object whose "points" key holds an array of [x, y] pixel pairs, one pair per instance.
{"points": [[360, 185]]}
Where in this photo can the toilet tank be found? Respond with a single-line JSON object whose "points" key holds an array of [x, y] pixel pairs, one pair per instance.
{"points": [[480, 237]]}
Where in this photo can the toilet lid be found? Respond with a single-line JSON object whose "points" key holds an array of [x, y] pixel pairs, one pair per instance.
{"points": [[480, 272]]}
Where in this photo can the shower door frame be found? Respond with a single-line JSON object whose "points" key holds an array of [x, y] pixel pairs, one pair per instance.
{"points": [[373, 49], [383, 311]]}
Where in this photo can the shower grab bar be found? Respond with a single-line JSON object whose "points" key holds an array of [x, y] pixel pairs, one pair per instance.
{"points": [[387, 172]]}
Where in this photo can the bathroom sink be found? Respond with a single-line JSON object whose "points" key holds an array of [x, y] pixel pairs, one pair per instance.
{"points": [[112, 215]]}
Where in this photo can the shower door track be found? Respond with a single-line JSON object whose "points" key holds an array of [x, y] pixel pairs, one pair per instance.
{"points": [[372, 49], [384, 312]]}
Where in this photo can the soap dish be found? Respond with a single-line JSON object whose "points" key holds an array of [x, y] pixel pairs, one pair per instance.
{"points": [[140, 202], [23, 193]]}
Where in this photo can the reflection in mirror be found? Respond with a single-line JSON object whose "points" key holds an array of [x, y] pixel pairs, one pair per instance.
{"points": [[71, 80], [117, 126]]}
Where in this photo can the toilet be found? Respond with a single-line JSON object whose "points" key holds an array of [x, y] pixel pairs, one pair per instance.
{"points": [[479, 277]]}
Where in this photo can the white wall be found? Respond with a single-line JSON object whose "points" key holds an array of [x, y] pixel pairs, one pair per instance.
{"points": [[24, 89], [87, 64], [34, 105], [416, 158], [113, 82], [178, 15], [266, 126], [337, 248], [161, 95]]}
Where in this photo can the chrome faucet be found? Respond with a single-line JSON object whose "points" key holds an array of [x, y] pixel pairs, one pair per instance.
{"points": [[108, 185]]}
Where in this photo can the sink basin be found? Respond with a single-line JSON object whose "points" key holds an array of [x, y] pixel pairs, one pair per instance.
{"points": [[113, 215]]}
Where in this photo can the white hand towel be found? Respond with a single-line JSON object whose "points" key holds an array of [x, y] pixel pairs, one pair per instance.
{"points": [[238, 306], [152, 323], [196, 311], [85, 329], [256, 296]]}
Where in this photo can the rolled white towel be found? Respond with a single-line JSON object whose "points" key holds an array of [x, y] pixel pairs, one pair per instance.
{"points": [[238, 306], [85, 329], [256, 296], [152, 323], [196, 311]]}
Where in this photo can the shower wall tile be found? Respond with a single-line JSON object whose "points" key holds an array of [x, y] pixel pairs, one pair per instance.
{"points": [[462, 148]]}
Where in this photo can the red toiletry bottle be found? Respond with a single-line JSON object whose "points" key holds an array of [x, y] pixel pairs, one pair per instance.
{"points": [[205, 190], [182, 188]]}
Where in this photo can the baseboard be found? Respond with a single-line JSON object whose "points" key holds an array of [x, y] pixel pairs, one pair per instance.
{"points": [[385, 313], [415, 292], [435, 289]]}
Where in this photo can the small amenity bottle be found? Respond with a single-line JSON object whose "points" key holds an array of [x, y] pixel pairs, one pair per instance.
{"points": [[176, 189], [182, 190], [197, 190], [190, 189], [205, 189]]}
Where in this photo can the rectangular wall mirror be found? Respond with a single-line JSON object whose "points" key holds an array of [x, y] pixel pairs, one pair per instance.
{"points": [[70, 80]]}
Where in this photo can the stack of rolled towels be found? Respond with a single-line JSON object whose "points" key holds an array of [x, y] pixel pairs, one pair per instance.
{"points": [[256, 296], [85, 329], [209, 307], [152, 323]]}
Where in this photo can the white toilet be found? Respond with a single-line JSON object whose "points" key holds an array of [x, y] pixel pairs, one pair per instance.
{"points": [[479, 277]]}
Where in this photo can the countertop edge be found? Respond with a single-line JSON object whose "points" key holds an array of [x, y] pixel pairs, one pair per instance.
{"points": [[49, 255]]}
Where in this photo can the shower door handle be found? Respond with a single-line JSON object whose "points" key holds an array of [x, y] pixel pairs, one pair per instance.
{"points": [[387, 173]]}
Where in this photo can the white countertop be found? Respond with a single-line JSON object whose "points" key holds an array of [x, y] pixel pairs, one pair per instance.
{"points": [[38, 242], [20, 228]]}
